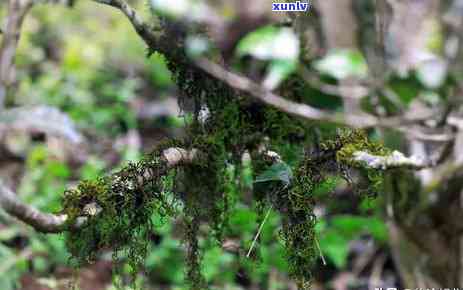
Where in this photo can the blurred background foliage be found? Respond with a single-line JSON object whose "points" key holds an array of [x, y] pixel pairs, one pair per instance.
{"points": [[89, 63]]}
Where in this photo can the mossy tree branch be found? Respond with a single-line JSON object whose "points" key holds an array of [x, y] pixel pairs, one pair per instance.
{"points": [[56, 223], [176, 156]]}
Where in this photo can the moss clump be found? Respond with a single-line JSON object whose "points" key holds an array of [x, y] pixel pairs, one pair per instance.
{"points": [[296, 203], [119, 210], [351, 142], [298, 229], [358, 141], [122, 204]]}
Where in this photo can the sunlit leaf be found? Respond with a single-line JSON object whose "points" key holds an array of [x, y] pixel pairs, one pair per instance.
{"points": [[278, 71], [280, 46], [341, 64], [277, 172], [336, 248]]}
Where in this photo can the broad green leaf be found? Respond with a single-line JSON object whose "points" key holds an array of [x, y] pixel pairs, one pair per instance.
{"points": [[342, 64], [270, 43], [217, 260], [280, 46], [277, 172], [279, 70], [353, 226], [335, 247], [243, 220], [336, 235]]}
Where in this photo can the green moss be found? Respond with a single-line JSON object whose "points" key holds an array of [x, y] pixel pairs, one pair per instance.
{"points": [[119, 210], [358, 141], [296, 203], [235, 124], [351, 142], [298, 230]]}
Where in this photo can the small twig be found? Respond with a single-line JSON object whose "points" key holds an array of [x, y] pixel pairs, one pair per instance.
{"points": [[259, 231], [320, 251]]}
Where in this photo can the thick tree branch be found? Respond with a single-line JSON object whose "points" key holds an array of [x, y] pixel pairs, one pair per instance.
{"points": [[51, 223]]}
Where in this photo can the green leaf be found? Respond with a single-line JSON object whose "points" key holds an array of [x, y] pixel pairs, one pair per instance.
{"points": [[336, 235], [58, 169], [336, 248], [277, 172], [243, 220], [217, 261], [326, 186], [341, 64], [279, 70], [353, 226], [280, 46]]}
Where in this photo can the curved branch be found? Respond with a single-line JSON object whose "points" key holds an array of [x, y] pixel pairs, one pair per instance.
{"points": [[237, 82], [42, 222], [242, 83], [55, 223], [245, 84]]}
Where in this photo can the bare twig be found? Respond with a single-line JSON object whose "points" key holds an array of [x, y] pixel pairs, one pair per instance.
{"points": [[258, 232], [320, 251], [314, 80]]}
